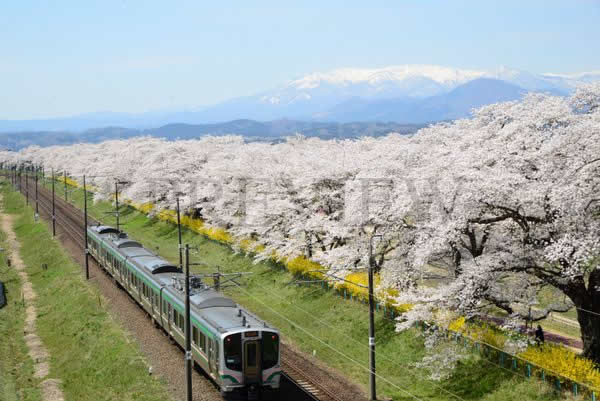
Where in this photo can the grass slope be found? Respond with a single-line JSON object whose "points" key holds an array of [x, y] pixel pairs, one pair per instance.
{"points": [[16, 367], [90, 353], [331, 321]]}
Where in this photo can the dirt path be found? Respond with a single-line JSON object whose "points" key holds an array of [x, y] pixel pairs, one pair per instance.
{"points": [[49, 387]]}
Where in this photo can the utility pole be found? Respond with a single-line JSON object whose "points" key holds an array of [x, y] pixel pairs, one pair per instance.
{"points": [[37, 210], [372, 384], [85, 233], [179, 234], [53, 208], [26, 187], [188, 344], [65, 180], [117, 204]]}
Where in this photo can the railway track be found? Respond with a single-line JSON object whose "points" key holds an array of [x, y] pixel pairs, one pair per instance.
{"points": [[310, 385], [301, 384]]}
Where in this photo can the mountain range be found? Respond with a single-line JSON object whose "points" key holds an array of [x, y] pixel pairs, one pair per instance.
{"points": [[407, 94], [253, 131]]}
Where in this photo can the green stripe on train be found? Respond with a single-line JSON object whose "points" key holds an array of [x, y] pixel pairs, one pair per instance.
{"points": [[272, 376], [233, 379]]}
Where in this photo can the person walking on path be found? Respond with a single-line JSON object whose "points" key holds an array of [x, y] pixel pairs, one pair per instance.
{"points": [[539, 335]]}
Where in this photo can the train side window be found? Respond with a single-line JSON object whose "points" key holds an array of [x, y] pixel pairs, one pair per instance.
{"points": [[181, 321], [177, 319], [203, 342], [194, 335]]}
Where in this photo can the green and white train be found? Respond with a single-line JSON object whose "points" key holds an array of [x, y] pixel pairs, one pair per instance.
{"points": [[239, 351]]}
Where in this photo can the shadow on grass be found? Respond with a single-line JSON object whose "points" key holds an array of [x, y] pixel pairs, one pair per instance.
{"points": [[474, 378]]}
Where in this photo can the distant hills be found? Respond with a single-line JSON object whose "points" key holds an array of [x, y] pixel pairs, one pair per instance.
{"points": [[271, 131], [399, 96]]}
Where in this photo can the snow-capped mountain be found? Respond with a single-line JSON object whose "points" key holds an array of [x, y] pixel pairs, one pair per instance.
{"points": [[416, 81], [403, 94], [320, 95]]}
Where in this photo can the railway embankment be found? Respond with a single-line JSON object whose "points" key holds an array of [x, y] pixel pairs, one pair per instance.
{"points": [[69, 335]]}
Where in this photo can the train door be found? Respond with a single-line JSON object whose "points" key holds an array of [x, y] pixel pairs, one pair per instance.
{"points": [[169, 317], [212, 356], [252, 362]]}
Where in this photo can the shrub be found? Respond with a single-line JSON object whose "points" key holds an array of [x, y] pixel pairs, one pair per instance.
{"points": [[481, 332], [302, 265], [562, 361]]}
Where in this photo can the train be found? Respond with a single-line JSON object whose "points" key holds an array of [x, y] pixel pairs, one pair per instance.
{"points": [[239, 351]]}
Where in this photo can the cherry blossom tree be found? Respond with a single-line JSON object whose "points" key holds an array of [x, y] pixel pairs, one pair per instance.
{"points": [[475, 213]]}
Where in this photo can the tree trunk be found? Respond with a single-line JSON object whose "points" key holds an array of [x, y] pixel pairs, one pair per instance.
{"points": [[588, 316], [590, 333]]}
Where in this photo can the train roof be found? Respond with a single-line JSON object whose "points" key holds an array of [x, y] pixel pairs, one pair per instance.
{"points": [[229, 319], [127, 243], [221, 312], [105, 229], [134, 251]]}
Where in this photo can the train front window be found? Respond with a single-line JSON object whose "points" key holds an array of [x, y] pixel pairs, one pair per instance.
{"points": [[270, 349], [232, 347]]}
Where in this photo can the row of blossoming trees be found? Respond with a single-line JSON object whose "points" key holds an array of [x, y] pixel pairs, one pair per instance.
{"points": [[495, 207]]}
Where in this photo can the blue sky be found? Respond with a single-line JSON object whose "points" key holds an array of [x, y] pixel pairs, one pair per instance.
{"points": [[69, 57]]}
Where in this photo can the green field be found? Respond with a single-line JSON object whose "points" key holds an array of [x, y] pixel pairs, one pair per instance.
{"points": [[94, 357], [319, 321]]}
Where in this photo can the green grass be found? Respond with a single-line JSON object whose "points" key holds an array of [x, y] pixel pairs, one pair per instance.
{"points": [[90, 353], [269, 293], [16, 367]]}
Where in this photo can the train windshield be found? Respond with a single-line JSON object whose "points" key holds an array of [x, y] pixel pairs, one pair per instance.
{"points": [[232, 347], [270, 349]]}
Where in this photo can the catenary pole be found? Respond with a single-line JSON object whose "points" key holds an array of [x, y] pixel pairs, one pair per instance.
{"points": [[65, 180], [179, 234], [37, 210], [27, 186], [372, 384], [85, 226], [117, 204], [53, 208], [188, 344]]}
